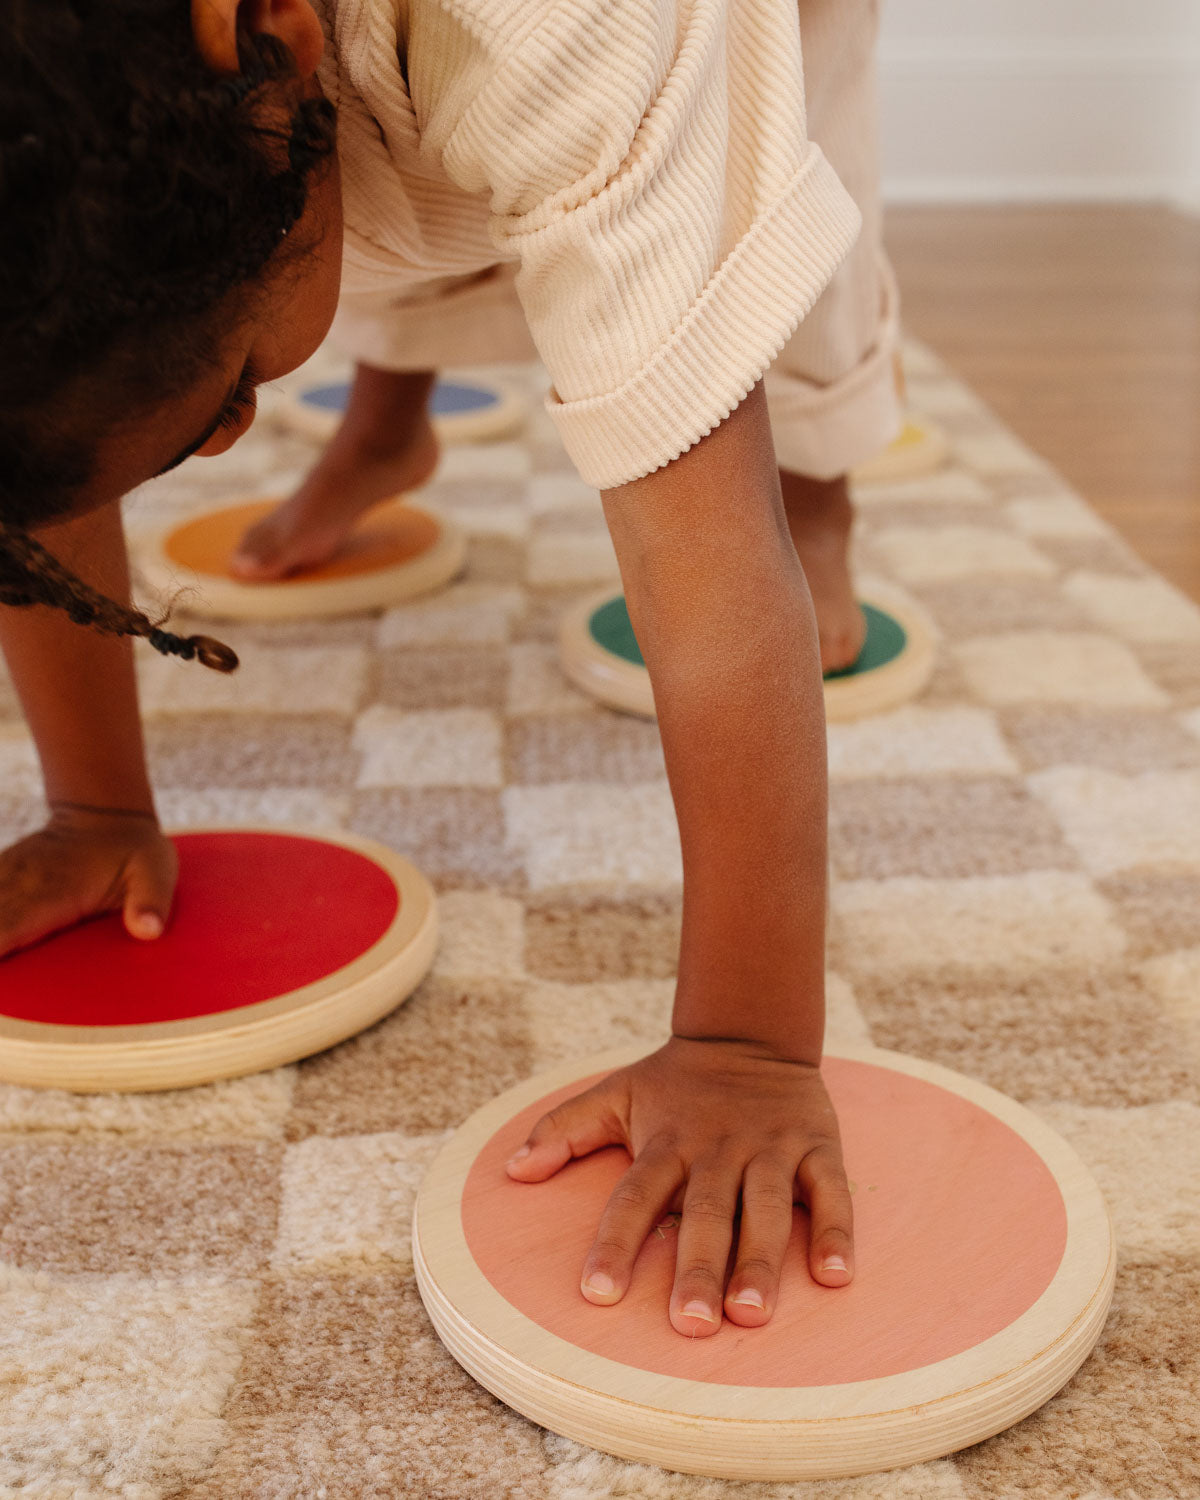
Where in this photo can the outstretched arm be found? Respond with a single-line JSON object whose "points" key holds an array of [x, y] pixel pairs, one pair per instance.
{"points": [[722, 613], [101, 847], [733, 1109]]}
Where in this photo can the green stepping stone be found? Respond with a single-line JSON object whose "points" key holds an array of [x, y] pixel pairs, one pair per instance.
{"points": [[886, 638]]}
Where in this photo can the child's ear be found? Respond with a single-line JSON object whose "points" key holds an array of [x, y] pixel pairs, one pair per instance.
{"points": [[294, 22]]}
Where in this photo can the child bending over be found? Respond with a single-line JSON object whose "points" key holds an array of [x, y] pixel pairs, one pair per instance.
{"points": [[178, 212]]}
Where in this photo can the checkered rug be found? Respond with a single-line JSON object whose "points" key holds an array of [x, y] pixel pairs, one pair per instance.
{"points": [[209, 1293]]}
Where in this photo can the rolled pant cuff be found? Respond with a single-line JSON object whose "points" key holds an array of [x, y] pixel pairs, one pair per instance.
{"points": [[824, 431]]}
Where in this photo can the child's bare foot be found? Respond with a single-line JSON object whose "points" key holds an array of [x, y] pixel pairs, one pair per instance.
{"points": [[820, 516], [385, 445]]}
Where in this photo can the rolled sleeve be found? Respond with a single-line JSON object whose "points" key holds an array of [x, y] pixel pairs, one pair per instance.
{"points": [[648, 168], [736, 325]]}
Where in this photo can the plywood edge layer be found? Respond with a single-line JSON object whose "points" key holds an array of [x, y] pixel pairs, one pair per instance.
{"points": [[906, 462], [203, 1049], [215, 597], [817, 1447], [625, 686], [808, 1432], [603, 675]]}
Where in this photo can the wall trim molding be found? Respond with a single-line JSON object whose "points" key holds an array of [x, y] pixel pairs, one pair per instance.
{"points": [[1042, 189], [1040, 120], [1047, 58]]}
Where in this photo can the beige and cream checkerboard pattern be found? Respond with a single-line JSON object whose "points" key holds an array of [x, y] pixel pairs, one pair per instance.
{"points": [[209, 1293]]}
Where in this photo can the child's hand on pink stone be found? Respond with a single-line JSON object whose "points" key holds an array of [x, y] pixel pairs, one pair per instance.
{"points": [[83, 863], [711, 1125]]}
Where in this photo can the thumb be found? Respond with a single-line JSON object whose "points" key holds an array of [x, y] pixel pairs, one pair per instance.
{"points": [[147, 905], [579, 1126]]}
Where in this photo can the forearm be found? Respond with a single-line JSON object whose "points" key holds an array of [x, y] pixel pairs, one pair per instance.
{"points": [[722, 614], [77, 687]]}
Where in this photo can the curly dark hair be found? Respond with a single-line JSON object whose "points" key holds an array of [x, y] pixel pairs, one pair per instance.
{"points": [[142, 195]]}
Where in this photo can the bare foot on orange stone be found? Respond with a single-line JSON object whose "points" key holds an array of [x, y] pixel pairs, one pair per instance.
{"points": [[385, 445], [820, 517]]}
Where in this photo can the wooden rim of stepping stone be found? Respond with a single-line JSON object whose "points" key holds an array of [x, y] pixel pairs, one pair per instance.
{"points": [[395, 553], [600, 655], [464, 408], [985, 1265], [281, 942], [896, 662], [920, 447]]}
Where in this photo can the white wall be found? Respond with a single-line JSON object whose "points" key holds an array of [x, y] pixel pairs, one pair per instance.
{"points": [[1041, 99]]}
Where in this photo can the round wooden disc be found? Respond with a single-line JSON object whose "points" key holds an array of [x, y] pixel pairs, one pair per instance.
{"points": [[920, 447], [600, 654], [396, 552], [895, 664], [464, 410], [280, 944], [985, 1264]]}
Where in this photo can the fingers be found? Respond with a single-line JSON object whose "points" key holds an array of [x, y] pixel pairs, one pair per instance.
{"points": [[149, 888], [766, 1228], [35, 900], [787, 1151], [705, 1235], [581, 1125], [822, 1179], [634, 1207]]}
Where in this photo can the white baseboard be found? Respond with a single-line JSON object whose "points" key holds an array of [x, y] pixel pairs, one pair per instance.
{"points": [[1187, 201], [1043, 188], [961, 122]]}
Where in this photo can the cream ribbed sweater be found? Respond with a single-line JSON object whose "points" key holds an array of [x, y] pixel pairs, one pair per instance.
{"points": [[645, 163]]}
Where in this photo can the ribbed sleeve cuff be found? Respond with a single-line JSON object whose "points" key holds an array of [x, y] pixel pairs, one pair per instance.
{"points": [[728, 337]]}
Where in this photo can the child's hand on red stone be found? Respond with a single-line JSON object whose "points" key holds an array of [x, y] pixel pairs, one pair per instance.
{"points": [[711, 1125], [83, 863]]}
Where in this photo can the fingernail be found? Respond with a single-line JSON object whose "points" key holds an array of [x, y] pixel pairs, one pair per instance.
{"points": [[749, 1298], [147, 924], [833, 1263], [699, 1310], [602, 1285], [519, 1155]]}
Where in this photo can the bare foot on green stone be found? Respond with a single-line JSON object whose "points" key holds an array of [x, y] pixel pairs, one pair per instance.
{"points": [[385, 446], [820, 517]]}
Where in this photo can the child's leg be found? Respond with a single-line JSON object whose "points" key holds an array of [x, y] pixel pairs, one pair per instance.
{"points": [[384, 445], [831, 392], [386, 442], [819, 516]]}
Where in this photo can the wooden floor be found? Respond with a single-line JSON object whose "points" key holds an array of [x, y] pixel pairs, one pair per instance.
{"points": [[1081, 327]]}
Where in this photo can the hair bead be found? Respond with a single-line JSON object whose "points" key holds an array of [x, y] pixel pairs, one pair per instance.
{"points": [[214, 654]]}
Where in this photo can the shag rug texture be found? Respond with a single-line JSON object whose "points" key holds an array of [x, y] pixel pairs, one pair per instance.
{"points": [[209, 1293]]}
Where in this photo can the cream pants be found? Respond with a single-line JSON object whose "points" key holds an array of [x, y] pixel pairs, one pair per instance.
{"points": [[832, 391]]}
